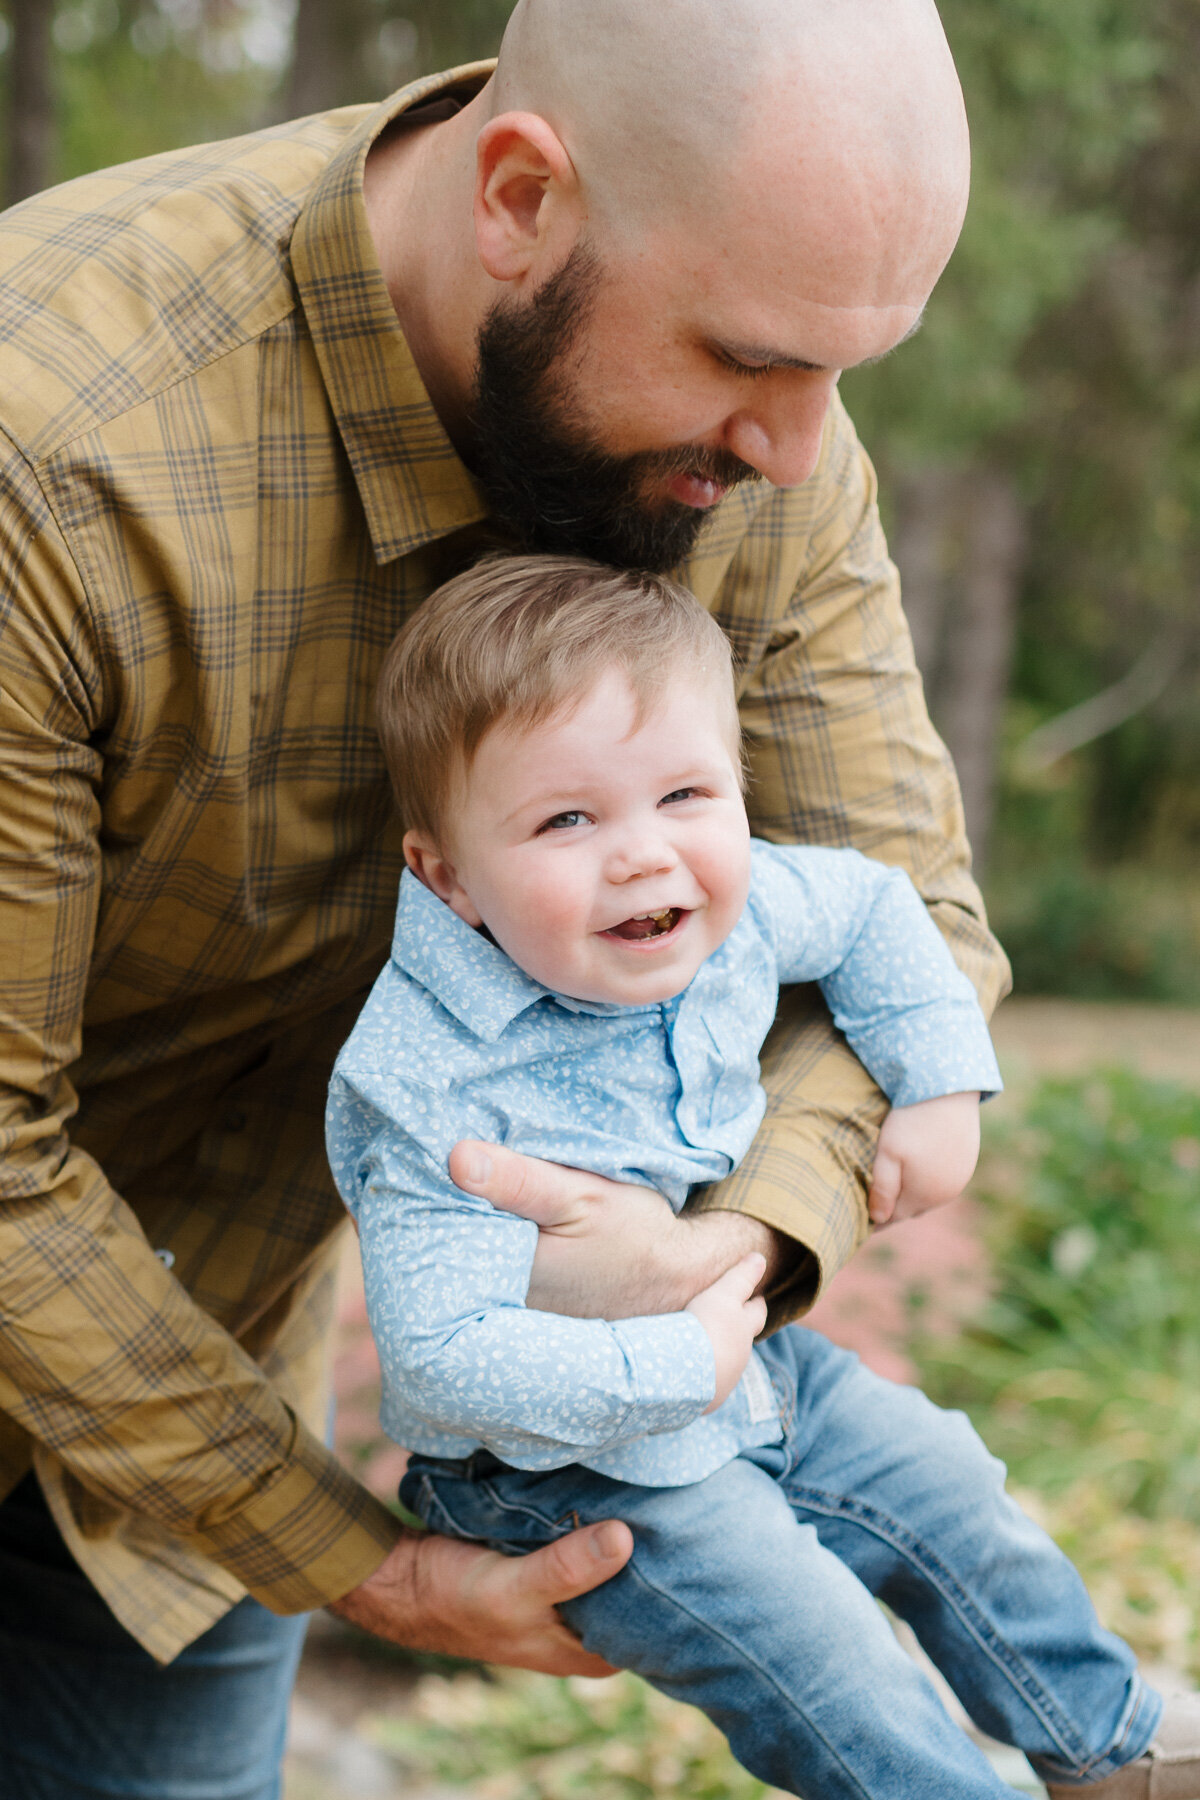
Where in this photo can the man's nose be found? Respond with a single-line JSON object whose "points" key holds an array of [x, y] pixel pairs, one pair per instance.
{"points": [[779, 432]]}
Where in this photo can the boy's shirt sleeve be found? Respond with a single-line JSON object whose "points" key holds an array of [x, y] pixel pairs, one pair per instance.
{"points": [[446, 1274], [862, 932]]}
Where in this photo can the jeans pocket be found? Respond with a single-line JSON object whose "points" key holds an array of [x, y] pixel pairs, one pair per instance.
{"points": [[481, 1512]]}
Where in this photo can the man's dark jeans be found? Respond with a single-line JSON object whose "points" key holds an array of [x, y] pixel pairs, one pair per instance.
{"points": [[86, 1713]]}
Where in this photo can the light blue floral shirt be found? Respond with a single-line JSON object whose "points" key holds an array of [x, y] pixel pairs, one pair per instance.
{"points": [[457, 1042]]}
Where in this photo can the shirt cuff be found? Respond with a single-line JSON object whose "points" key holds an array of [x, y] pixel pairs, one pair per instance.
{"points": [[949, 1051], [308, 1536], [671, 1355]]}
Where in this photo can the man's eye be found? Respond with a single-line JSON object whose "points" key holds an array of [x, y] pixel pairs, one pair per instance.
{"points": [[750, 371], [564, 821]]}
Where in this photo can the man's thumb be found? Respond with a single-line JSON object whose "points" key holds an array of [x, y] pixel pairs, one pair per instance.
{"points": [[576, 1563], [543, 1192]]}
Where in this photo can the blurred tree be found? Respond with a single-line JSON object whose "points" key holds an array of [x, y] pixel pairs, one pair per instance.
{"points": [[349, 50], [1061, 97], [30, 98]]}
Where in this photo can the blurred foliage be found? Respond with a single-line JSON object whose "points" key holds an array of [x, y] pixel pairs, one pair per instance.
{"points": [[1083, 1371], [1063, 345], [523, 1737], [1125, 933]]}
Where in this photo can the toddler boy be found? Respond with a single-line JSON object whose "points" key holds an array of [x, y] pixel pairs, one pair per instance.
{"points": [[587, 958]]}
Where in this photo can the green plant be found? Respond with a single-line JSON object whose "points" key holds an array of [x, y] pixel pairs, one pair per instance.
{"points": [[1098, 934], [1087, 1357], [1083, 1371]]}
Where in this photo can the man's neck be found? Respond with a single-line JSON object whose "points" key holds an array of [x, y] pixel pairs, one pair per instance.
{"points": [[418, 189]]}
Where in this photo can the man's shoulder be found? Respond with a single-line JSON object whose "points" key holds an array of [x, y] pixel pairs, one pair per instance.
{"points": [[121, 284]]}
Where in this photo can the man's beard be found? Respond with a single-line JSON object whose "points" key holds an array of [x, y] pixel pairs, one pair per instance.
{"points": [[547, 479]]}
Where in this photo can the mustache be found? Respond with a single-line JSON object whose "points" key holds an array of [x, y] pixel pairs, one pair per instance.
{"points": [[720, 466]]}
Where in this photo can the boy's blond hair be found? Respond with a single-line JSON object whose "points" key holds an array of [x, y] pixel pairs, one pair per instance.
{"points": [[512, 641]]}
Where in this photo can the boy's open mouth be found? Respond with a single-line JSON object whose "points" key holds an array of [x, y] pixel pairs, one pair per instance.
{"points": [[646, 925]]}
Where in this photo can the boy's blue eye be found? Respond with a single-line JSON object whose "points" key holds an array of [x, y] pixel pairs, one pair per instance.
{"points": [[678, 794], [564, 821]]}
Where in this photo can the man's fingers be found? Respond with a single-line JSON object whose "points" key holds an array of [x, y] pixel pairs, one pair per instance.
{"points": [[573, 1564], [547, 1193]]}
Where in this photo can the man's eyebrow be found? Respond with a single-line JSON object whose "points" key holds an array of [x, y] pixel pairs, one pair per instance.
{"points": [[883, 354], [758, 356]]}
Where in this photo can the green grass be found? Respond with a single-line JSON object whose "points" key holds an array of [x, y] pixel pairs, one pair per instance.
{"points": [[522, 1737]]}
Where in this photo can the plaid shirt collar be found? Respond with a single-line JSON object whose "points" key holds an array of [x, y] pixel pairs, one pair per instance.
{"points": [[413, 485]]}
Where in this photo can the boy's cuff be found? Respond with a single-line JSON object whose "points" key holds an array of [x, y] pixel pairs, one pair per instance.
{"points": [[672, 1356], [309, 1536]]}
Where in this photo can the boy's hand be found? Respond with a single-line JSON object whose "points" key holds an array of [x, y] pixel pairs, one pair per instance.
{"points": [[732, 1315], [926, 1156]]}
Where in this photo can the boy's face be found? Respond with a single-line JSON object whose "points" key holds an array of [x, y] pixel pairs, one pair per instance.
{"points": [[607, 857]]}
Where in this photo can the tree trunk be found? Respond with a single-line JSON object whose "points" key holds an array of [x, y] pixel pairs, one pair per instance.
{"points": [[980, 637], [314, 78], [921, 544], [30, 99]]}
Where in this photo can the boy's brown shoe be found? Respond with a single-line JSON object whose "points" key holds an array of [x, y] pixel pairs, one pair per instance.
{"points": [[1169, 1770]]}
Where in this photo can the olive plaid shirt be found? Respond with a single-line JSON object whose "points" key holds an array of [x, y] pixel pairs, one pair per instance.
{"points": [[223, 489]]}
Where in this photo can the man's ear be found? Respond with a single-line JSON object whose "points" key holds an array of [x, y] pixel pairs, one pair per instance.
{"points": [[528, 206], [438, 874]]}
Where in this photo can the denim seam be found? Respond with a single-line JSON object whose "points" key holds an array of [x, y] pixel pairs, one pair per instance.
{"points": [[737, 1651], [557, 1526], [632, 1569], [990, 1641], [1048, 1769], [436, 1504]]}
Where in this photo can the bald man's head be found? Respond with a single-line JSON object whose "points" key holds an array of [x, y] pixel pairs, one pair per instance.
{"points": [[836, 113], [693, 215]]}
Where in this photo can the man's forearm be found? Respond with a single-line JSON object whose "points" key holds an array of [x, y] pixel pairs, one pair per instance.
{"points": [[717, 1240]]}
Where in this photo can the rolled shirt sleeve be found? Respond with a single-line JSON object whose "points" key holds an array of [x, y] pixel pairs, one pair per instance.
{"points": [[841, 753], [105, 1360]]}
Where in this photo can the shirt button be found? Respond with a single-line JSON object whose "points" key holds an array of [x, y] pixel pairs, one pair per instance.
{"points": [[166, 1258]]}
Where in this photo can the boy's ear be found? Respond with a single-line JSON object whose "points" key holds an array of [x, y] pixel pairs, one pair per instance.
{"points": [[430, 866]]}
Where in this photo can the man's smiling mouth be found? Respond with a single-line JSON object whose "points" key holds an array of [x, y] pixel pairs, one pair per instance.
{"points": [[646, 925]]}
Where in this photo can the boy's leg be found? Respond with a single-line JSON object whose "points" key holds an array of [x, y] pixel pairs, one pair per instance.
{"points": [[87, 1714], [731, 1603], [906, 1496]]}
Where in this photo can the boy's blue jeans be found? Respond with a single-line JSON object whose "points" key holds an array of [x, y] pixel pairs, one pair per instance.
{"points": [[752, 1594]]}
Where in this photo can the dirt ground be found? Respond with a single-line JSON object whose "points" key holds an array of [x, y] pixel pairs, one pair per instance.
{"points": [[343, 1682]]}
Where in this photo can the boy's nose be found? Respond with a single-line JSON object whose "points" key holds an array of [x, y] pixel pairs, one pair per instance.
{"points": [[647, 854]]}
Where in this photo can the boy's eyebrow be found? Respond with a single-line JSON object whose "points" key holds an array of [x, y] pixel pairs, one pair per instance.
{"points": [[545, 803], [577, 799]]}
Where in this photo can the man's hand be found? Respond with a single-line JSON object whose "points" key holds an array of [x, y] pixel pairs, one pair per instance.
{"points": [[433, 1593], [610, 1249], [926, 1156], [733, 1315]]}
